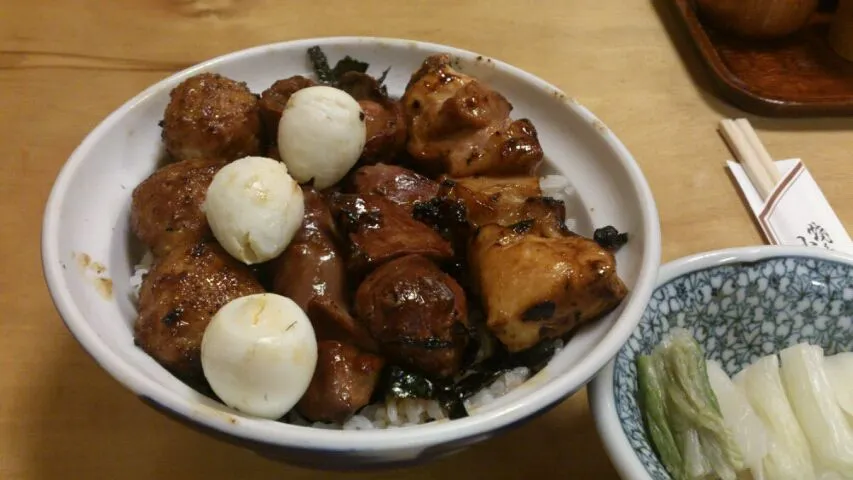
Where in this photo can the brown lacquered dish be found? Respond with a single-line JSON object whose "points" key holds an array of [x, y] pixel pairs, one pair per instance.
{"points": [[800, 75]]}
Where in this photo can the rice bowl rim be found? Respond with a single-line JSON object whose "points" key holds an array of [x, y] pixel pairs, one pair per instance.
{"points": [[285, 435]]}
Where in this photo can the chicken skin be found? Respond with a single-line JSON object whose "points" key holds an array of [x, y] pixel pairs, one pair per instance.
{"points": [[460, 127], [506, 201], [417, 313], [534, 287], [166, 208], [211, 116], [178, 298]]}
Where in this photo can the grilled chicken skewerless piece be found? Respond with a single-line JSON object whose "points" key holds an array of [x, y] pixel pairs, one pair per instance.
{"points": [[378, 231], [462, 205], [417, 313], [506, 201], [461, 127], [400, 185], [311, 272], [343, 382], [535, 287], [178, 298], [214, 117], [383, 118], [166, 209]]}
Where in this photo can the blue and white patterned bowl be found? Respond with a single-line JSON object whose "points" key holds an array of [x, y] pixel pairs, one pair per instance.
{"points": [[740, 304]]}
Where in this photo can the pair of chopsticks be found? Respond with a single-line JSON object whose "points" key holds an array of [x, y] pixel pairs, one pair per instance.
{"points": [[751, 153]]}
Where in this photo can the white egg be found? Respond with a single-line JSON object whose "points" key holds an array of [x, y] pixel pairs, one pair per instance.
{"points": [[321, 135], [259, 353], [254, 208]]}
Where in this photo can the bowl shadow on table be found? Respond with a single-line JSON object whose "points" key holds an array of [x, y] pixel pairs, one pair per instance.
{"points": [[85, 425], [701, 78]]}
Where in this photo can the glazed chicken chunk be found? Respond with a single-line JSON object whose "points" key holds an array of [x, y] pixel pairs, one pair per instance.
{"points": [[535, 287], [311, 272], [506, 201], [400, 185], [178, 298], [211, 116], [461, 127], [377, 231], [417, 313], [343, 382], [166, 208], [383, 118]]}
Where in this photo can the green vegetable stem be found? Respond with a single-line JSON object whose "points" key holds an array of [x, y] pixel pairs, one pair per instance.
{"points": [[653, 405]]}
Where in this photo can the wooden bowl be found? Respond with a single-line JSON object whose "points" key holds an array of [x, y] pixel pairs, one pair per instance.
{"points": [[758, 18], [841, 32]]}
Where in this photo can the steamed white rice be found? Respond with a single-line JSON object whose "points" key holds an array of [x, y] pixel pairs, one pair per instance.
{"points": [[405, 412]]}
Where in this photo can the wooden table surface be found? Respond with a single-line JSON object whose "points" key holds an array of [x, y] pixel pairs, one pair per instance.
{"points": [[65, 65]]}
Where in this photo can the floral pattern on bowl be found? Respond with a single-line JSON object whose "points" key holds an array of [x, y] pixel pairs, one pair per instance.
{"points": [[738, 313]]}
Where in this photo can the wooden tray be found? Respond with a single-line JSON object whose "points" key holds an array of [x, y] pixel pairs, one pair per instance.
{"points": [[796, 76]]}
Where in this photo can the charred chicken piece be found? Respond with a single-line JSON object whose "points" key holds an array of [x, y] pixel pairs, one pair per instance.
{"points": [[461, 127], [400, 185], [377, 231], [214, 117], [535, 287], [506, 201], [178, 298], [311, 272], [343, 382], [166, 208], [274, 99], [383, 118], [417, 313]]}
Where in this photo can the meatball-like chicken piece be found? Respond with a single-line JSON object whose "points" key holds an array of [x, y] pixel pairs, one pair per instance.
{"points": [[417, 313], [343, 382], [274, 99], [166, 208], [214, 117], [178, 298]]}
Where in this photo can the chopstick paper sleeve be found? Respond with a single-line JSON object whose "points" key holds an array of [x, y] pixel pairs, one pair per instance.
{"points": [[796, 212]]}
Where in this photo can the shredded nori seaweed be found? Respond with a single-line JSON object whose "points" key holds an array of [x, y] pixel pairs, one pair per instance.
{"points": [[331, 75], [610, 238], [320, 64], [348, 64], [402, 383]]}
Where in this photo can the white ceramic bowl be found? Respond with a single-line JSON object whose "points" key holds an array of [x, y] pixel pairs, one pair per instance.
{"points": [[86, 228], [764, 299]]}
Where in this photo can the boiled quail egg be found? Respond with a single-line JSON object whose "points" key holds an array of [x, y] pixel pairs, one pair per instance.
{"points": [[321, 135], [259, 353], [254, 208]]}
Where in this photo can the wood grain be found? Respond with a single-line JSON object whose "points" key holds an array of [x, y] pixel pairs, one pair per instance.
{"points": [[799, 75], [66, 65]]}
